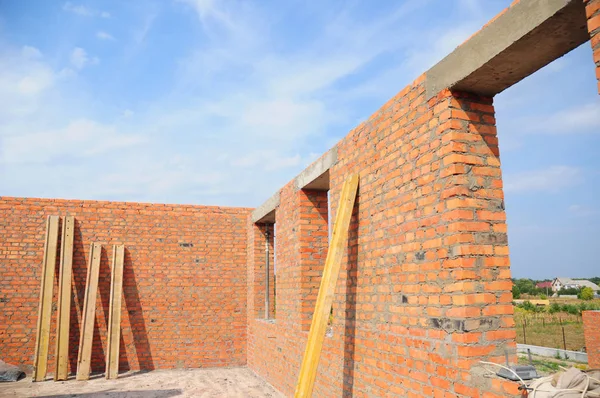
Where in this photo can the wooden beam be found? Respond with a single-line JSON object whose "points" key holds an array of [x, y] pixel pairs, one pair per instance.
{"points": [[89, 313], [310, 362], [64, 299], [114, 314], [45, 307]]}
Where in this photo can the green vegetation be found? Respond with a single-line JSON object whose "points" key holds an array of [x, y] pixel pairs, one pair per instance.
{"points": [[573, 291], [573, 309], [516, 292], [586, 294], [546, 330], [544, 325], [526, 286]]}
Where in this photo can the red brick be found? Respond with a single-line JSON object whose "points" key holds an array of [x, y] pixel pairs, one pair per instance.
{"points": [[591, 331], [181, 305]]}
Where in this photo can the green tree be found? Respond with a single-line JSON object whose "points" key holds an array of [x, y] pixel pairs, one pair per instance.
{"points": [[569, 292], [554, 308], [525, 285], [586, 293], [516, 292]]}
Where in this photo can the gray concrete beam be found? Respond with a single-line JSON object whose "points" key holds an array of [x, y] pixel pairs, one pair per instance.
{"points": [[316, 176], [528, 36], [265, 213]]}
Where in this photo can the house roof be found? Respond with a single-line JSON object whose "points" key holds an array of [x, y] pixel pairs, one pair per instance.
{"points": [[542, 285], [587, 284], [579, 282]]}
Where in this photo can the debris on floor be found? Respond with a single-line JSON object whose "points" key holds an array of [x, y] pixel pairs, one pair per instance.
{"points": [[202, 383], [570, 383], [10, 372]]}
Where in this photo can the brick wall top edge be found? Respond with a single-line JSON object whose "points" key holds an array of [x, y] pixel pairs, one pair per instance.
{"points": [[141, 205]]}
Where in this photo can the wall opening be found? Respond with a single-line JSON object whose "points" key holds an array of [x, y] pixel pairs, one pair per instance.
{"points": [[548, 148], [264, 271], [314, 241]]}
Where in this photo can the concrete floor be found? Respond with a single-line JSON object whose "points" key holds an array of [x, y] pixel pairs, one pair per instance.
{"points": [[205, 383]]}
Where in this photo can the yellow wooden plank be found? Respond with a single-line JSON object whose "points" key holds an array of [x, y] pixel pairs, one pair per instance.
{"points": [[89, 313], [114, 314], [310, 362], [45, 307], [64, 299]]}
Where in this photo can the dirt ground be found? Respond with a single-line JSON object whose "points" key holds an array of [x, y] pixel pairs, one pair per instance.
{"points": [[205, 383]]}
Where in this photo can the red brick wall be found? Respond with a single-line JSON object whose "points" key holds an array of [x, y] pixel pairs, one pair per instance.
{"points": [[591, 330], [425, 290], [184, 302], [592, 10]]}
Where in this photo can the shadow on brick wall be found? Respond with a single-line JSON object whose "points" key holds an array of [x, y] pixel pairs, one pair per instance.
{"points": [[136, 316], [350, 310], [77, 296], [130, 297]]}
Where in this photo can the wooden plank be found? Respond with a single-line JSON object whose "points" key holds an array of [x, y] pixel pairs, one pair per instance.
{"points": [[64, 299], [114, 314], [40, 365], [89, 313], [310, 362]]}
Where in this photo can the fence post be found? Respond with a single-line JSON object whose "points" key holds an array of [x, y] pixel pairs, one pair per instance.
{"points": [[564, 339], [524, 333]]}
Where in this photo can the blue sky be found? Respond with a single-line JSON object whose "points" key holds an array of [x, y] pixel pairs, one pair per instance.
{"points": [[223, 102]]}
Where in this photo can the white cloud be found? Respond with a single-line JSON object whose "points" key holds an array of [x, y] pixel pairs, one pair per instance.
{"points": [[269, 160], [84, 11], [209, 9], [80, 138], [31, 52], [441, 43], [127, 113], [574, 120], [24, 80], [104, 36], [553, 179], [140, 33], [246, 111], [583, 211], [77, 9], [79, 58]]}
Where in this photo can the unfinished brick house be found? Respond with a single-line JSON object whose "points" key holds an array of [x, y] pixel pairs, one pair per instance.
{"points": [[424, 292]]}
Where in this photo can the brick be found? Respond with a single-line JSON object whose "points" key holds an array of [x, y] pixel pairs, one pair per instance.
{"points": [[423, 293], [176, 256], [594, 23], [591, 331]]}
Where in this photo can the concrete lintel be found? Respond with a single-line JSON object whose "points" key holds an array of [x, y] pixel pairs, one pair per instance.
{"points": [[528, 36], [316, 176], [265, 213]]}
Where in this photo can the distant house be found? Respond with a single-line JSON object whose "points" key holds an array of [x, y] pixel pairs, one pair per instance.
{"points": [[568, 283], [544, 285]]}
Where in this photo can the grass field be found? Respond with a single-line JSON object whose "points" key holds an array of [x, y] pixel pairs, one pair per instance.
{"points": [[546, 330], [572, 301]]}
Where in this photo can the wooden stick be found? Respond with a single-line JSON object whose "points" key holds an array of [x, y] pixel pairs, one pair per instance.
{"points": [[64, 299], [40, 365], [114, 314], [89, 313], [310, 362]]}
